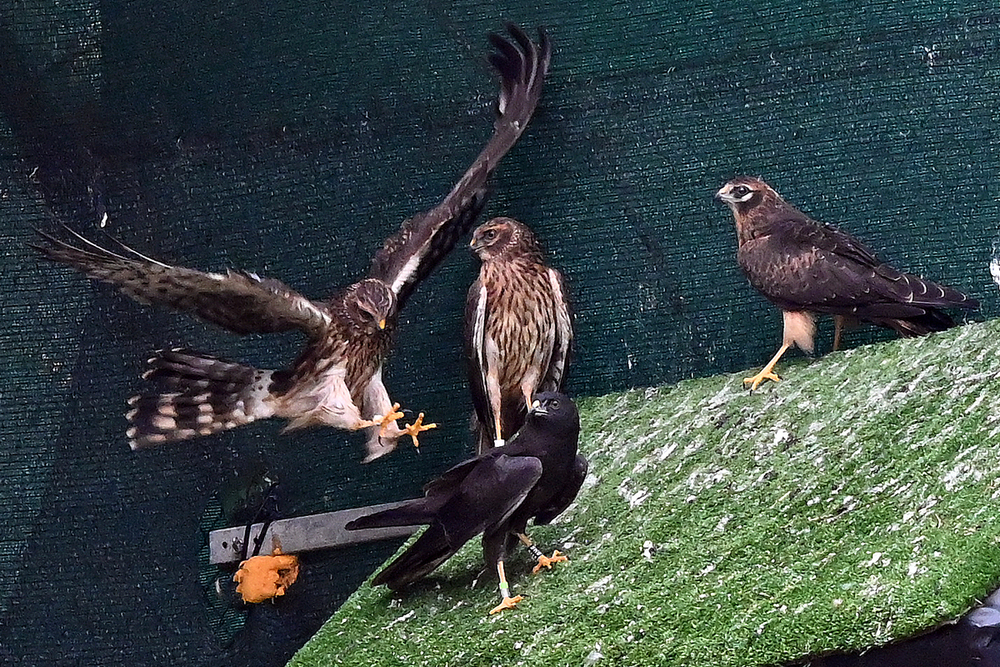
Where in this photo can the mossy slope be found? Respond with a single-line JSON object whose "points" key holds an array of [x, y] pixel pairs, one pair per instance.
{"points": [[850, 505]]}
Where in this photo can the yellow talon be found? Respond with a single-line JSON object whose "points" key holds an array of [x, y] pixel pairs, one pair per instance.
{"points": [[389, 418], [417, 427], [508, 603], [760, 378], [546, 561]]}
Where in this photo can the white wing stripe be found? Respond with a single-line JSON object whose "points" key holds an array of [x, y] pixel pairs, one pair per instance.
{"points": [[407, 271]]}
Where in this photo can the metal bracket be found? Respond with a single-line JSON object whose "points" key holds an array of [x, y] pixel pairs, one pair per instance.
{"points": [[305, 533]]}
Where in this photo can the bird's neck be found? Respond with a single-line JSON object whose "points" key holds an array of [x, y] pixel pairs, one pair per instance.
{"points": [[755, 221]]}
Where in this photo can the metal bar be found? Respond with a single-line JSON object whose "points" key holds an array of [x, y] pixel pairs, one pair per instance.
{"points": [[305, 533]]}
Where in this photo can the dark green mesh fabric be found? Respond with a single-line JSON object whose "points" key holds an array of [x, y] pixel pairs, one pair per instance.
{"points": [[290, 138]]}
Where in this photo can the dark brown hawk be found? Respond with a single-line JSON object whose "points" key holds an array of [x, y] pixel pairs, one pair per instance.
{"points": [[518, 329], [805, 268], [534, 476], [337, 379]]}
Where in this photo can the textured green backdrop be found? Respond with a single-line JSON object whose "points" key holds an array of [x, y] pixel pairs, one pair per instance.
{"points": [[291, 137]]}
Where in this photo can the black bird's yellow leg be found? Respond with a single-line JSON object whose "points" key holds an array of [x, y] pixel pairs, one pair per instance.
{"points": [[767, 373], [543, 560], [508, 601]]}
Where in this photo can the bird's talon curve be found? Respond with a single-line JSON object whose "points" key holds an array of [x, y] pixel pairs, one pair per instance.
{"points": [[417, 427], [389, 418], [759, 379], [547, 561], [508, 603]]}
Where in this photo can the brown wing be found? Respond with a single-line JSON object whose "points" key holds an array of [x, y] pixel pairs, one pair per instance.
{"points": [[805, 265], [243, 303], [475, 354], [555, 376], [423, 240]]}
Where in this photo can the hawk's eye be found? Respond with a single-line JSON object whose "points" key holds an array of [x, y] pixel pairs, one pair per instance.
{"points": [[741, 191], [554, 404], [490, 234]]}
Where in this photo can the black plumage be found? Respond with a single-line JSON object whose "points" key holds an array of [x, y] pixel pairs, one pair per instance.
{"points": [[535, 475], [805, 267], [337, 378]]}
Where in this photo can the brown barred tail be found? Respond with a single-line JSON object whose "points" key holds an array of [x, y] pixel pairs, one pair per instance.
{"points": [[203, 395]]}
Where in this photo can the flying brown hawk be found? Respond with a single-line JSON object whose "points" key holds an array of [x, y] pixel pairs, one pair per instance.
{"points": [[337, 378], [805, 268], [518, 329]]}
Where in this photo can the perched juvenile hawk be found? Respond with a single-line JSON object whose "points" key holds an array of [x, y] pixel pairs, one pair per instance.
{"points": [[805, 268], [337, 379], [536, 475], [518, 329]]}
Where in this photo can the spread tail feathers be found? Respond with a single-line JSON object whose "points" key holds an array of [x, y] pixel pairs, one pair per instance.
{"points": [[202, 395], [928, 322], [430, 550]]}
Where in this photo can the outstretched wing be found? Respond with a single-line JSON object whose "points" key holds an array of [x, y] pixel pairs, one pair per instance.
{"points": [[243, 303], [423, 240]]}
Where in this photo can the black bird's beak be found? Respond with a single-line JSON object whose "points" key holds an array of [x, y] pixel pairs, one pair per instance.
{"points": [[538, 409]]}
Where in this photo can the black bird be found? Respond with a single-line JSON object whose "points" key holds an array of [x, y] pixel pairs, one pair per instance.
{"points": [[535, 475], [805, 268]]}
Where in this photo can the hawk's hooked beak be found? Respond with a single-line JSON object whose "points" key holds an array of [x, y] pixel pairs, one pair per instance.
{"points": [[381, 324], [538, 409], [720, 195]]}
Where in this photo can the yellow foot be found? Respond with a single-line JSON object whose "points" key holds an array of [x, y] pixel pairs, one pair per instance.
{"points": [[546, 562], [383, 421], [759, 379], [417, 427], [508, 603]]}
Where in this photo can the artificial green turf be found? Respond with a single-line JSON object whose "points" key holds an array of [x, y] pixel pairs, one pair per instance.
{"points": [[850, 505]]}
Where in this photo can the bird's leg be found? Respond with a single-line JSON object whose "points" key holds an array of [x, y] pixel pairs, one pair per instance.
{"points": [[799, 329], [767, 373], [416, 427], [842, 323], [497, 441], [543, 560], [527, 392], [495, 398], [508, 601]]}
